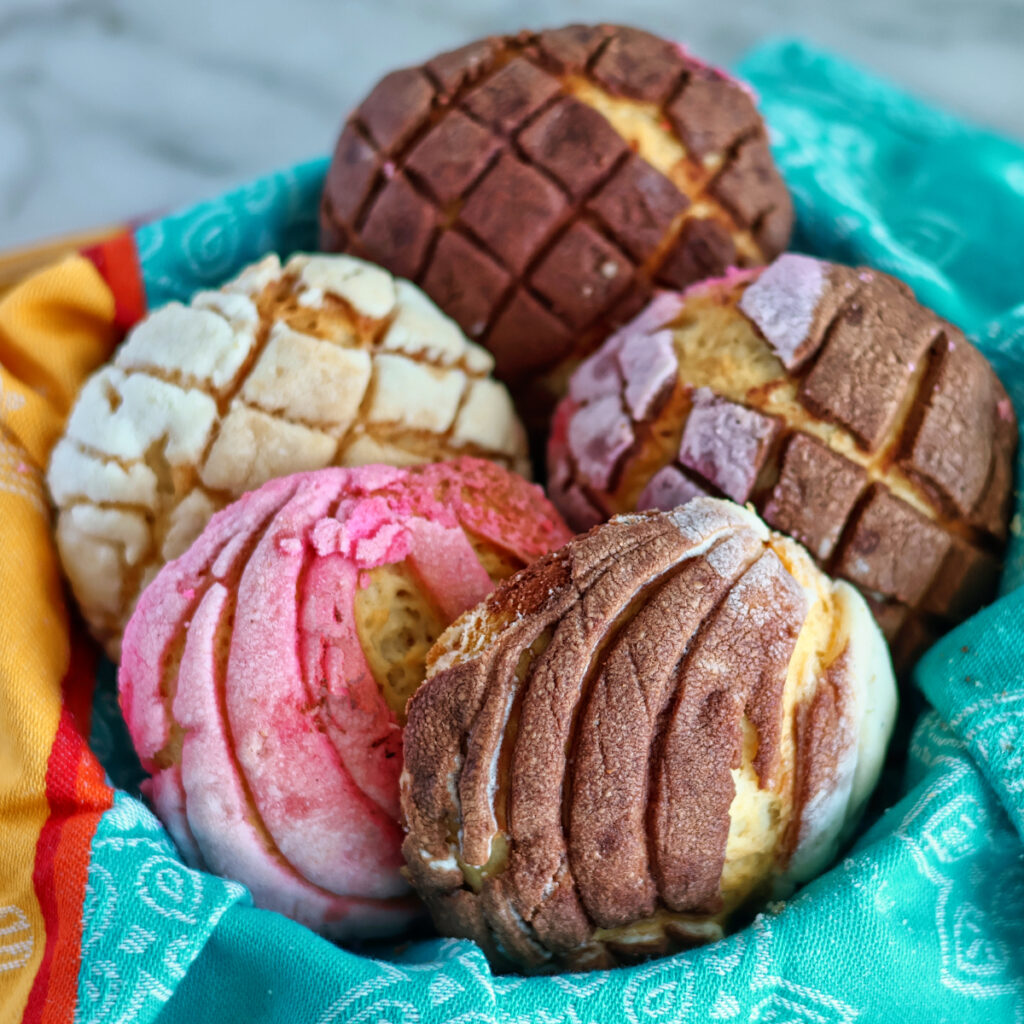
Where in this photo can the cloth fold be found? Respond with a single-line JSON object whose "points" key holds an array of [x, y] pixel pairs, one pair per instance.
{"points": [[54, 329], [100, 920]]}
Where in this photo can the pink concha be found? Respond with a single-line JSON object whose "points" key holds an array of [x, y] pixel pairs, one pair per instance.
{"points": [[169, 603], [275, 755], [360, 726]]}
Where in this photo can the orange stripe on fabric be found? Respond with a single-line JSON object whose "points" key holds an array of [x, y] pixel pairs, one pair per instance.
{"points": [[55, 329], [91, 797], [71, 869], [43, 878], [34, 658], [78, 797], [118, 262]]}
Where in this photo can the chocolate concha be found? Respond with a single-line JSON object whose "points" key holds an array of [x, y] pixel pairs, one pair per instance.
{"points": [[671, 716], [854, 419], [325, 361], [539, 186]]}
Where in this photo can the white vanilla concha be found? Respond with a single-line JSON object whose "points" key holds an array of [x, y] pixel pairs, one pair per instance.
{"points": [[325, 361]]}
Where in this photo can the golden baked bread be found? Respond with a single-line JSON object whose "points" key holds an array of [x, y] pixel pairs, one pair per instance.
{"points": [[326, 361], [854, 419], [674, 714]]}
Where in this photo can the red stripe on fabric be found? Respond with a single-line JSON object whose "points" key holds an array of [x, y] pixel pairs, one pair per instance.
{"points": [[78, 796], [118, 263]]}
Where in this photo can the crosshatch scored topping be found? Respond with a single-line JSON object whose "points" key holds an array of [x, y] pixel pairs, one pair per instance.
{"points": [[538, 187], [854, 419], [325, 361]]}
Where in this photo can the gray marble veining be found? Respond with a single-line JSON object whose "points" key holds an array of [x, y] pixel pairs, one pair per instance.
{"points": [[115, 108]]}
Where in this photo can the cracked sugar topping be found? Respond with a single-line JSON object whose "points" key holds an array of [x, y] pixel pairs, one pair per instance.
{"points": [[326, 360]]}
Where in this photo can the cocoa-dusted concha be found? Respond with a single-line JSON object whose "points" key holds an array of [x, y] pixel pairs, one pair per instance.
{"points": [[854, 419], [672, 715], [325, 361], [265, 672], [538, 187]]}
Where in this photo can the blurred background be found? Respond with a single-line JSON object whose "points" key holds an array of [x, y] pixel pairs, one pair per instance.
{"points": [[111, 109]]}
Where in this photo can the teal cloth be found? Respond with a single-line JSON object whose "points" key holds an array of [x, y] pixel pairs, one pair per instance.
{"points": [[923, 920]]}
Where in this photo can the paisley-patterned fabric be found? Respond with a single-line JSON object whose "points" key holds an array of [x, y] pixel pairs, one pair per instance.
{"points": [[922, 920]]}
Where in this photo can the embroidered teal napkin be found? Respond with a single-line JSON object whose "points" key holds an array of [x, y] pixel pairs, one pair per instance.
{"points": [[922, 921]]}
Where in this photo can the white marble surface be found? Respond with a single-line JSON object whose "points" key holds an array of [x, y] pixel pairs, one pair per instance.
{"points": [[116, 108]]}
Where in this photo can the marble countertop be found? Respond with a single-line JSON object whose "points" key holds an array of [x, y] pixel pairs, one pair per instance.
{"points": [[111, 109]]}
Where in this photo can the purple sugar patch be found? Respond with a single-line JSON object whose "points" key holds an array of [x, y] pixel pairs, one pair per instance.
{"points": [[782, 301], [667, 489], [599, 435], [663, 308], [732, 277], [726, 443], [650, 369], [580, 512], [599, 375], [578, 509]]}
